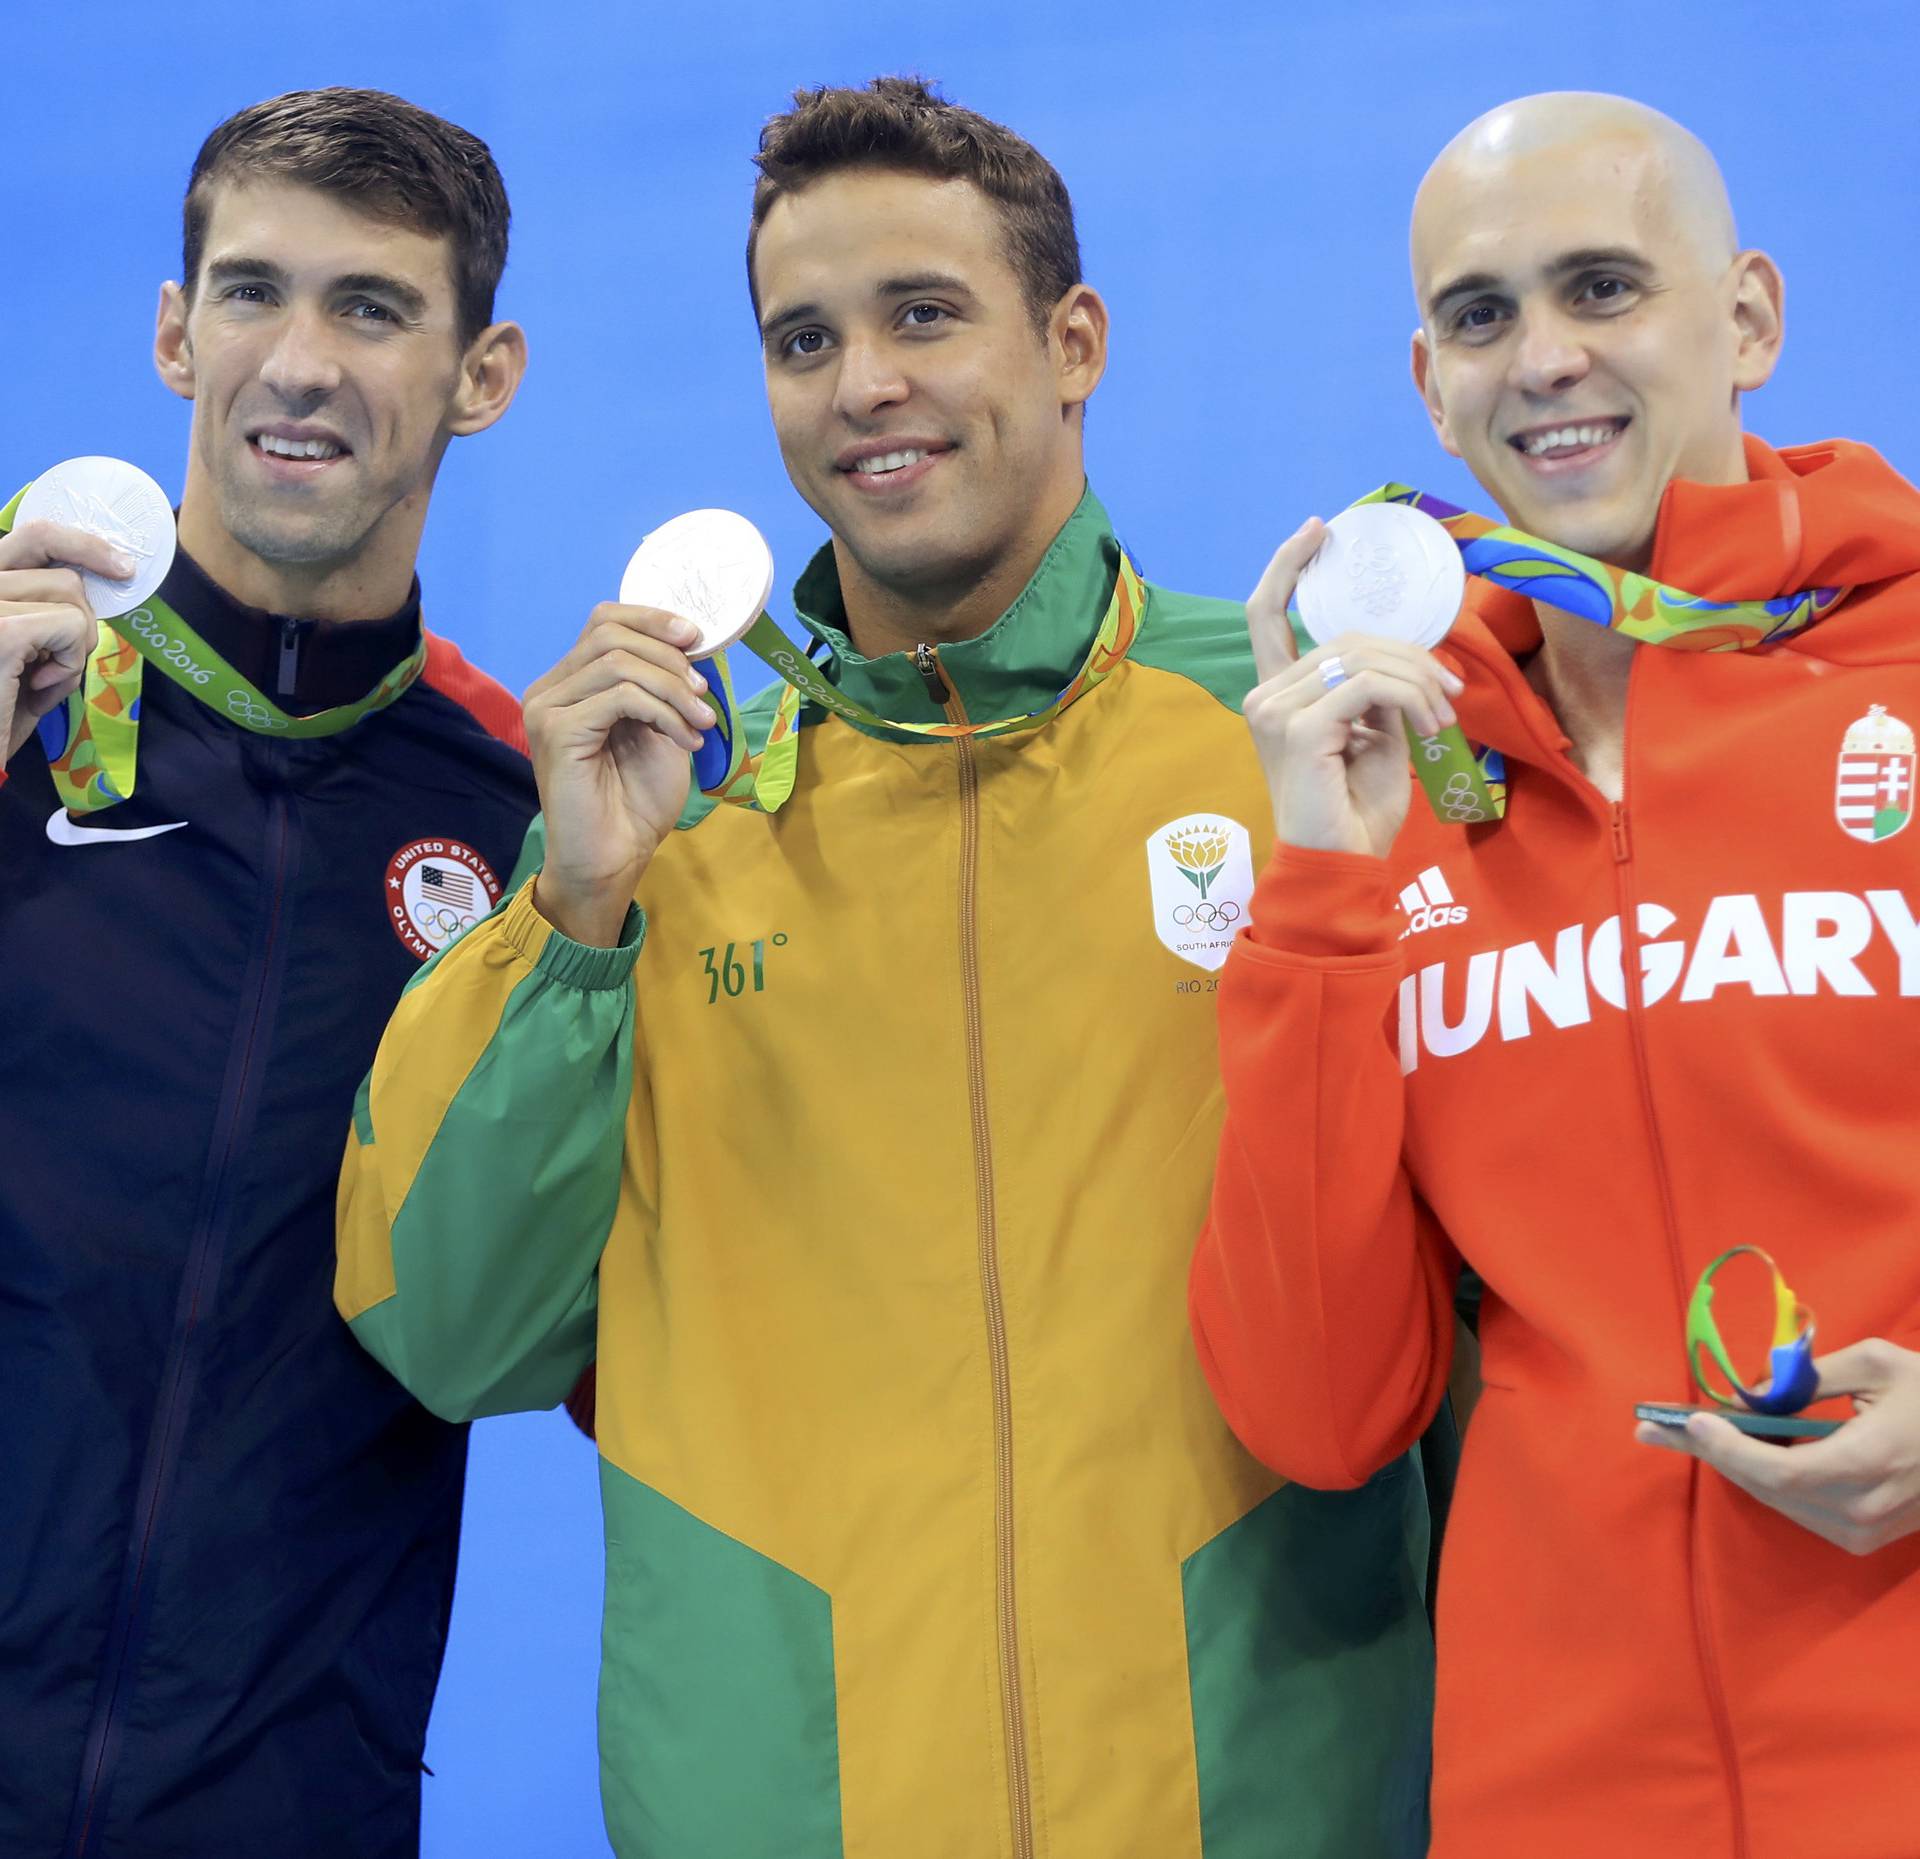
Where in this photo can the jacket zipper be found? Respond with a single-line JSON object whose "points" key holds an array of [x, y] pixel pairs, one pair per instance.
{"points": [[1631, 976], [1012, 1702], [1530, 707], [182, 1367], [286, 680]]}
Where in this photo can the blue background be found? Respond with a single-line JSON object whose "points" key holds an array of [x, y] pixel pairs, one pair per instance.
{"points": [[1242, 175]]}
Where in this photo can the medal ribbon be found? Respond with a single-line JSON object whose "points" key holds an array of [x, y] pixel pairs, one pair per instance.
{"points": [[1467, 786], [96, 766], [726, 772]]}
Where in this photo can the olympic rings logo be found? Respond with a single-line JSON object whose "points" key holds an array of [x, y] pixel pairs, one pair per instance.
{"points": [[1459, 802], [255, 716], [449, 923], [1208, 916]]}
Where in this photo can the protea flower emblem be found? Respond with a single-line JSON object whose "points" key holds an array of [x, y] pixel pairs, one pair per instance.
{"points": [[1201, 854]]}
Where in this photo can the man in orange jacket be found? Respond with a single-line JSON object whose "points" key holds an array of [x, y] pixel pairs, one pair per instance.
{"points": [[1664, 1007]]}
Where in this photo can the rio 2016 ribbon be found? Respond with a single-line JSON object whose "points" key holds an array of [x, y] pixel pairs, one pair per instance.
{"points": [[1629, 603], [1468, 785], [726, 772], [94, 766], [1791, 1381]]}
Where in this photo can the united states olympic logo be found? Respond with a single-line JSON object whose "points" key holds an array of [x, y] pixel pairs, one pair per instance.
{"points": [[435, 890]]}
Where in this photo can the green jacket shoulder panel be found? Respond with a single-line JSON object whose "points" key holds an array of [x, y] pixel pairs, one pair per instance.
{"points": [[1202, 640]]}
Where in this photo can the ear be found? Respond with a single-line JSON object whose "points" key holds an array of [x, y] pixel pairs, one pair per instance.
{"points": [[1077, 335], [172, 350], [1759, 317], [1426, 381], [491, 371]]}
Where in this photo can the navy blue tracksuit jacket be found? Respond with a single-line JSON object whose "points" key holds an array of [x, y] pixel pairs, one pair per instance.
{"points": [[227, 1538]]}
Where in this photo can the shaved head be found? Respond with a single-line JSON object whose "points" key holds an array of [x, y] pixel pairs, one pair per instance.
{"points": [[1671, 168], [1588, 322]]}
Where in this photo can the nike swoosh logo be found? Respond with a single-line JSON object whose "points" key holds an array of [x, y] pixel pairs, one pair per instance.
{"points": [[64, 830]]}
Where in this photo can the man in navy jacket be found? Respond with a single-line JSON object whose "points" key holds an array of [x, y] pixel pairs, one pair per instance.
{"points": [[227, 1556]]}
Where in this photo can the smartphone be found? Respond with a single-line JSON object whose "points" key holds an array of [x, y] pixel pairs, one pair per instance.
{"points": [[1765, 1426]]}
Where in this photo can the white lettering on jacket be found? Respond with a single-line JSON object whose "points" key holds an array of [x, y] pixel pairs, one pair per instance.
{"points": [[1449, 1007]]}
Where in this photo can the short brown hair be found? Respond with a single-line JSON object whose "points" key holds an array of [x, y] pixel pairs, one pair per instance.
{"points": [[904, 124], [386, 157]]}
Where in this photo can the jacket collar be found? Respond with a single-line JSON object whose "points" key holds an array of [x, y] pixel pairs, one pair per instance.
{"points": [[1020, 664], [331, 661]]}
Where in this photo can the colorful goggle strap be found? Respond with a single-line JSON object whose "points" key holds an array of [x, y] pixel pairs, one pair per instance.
{"points": [[1791, 1378], [93, 744], [727, 772], [1469, 785]]}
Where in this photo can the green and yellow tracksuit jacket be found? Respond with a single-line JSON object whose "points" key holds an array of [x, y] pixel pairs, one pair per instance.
{"points": [[871, 1182]]}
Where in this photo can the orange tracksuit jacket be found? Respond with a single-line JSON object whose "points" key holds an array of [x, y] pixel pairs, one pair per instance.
{"points": [[1585, 1050]]}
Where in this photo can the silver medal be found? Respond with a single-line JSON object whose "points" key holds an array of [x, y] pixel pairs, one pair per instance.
{"points": [[711, 567], [1385, 569], [109, 498]]}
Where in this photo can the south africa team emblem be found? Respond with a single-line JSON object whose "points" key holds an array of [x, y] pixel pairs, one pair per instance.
{"points": [[1200, 869], [1873, 789]]}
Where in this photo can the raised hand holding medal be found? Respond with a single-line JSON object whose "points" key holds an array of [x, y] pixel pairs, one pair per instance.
{"points": [[1331, 722], [1391, 572], [101, 521], [612, 725]]}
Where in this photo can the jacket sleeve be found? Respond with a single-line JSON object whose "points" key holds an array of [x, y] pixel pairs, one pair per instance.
{"points": [[485, 1163], [1322, 1288]]}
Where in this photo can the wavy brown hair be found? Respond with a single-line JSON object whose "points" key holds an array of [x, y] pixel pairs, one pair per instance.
{"points": [[385, 157], [903, 124]]}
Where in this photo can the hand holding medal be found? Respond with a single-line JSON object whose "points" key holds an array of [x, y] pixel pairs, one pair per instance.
{"points": [[1389, 571], [612, 725], [101, 520], [1332, 724]]}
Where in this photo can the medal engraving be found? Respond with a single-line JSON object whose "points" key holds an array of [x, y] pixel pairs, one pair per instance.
{"points": [[119, 503], [709, 566], [1384, 569]]}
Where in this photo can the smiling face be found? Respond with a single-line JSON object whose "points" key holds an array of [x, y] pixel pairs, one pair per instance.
{"points": [[1587, 327], [920, 411], [320, 349]]}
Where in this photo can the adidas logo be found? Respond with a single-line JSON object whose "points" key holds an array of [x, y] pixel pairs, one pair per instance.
{"points": [[1429, 904]]}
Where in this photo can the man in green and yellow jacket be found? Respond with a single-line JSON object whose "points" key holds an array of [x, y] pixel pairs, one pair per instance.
{"points": [[870, 1182]]}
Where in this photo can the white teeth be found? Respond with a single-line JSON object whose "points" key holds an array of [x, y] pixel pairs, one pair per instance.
{"points": [[1562, 436], [887, 461], [297, 448]]}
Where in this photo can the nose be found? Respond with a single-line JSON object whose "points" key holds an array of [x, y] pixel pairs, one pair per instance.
{"points": [[869, 379], [1549, 356], [301, 366]]}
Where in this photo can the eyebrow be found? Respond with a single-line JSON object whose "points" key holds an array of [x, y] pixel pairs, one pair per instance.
{"points": [[914, 284], [245, 271], [242, 270], [910, 285], [402, 295], [1587, 258]]}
